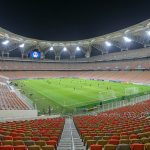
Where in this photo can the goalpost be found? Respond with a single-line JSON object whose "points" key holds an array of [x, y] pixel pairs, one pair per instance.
{"points": [[131, 91], [107, 95]]}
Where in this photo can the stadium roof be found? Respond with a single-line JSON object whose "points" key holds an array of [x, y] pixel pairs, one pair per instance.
{"points": [[136, 33]]}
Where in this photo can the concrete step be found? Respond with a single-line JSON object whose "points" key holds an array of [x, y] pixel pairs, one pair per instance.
{"points": [[70, 139], [64, 148]]}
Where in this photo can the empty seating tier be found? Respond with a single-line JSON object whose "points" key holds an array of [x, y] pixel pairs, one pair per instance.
{"points": [[125, 76], [138, 64], [40, 134], [127, 126], [10, 101]]}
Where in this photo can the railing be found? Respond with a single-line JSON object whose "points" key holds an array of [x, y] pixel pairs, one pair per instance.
{"points": [[121, 103], [107, 105]]}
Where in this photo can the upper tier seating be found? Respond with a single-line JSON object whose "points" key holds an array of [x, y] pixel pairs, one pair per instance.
{"points": [[3, 79], [138, 53], [10, 101], [138, 64], [126, 125], [126, 76]]}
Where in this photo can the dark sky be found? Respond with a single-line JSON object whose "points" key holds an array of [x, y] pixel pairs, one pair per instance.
{"points": [[70, 20]]}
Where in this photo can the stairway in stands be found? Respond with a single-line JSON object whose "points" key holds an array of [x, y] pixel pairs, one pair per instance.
{"points": [[70, 139]]}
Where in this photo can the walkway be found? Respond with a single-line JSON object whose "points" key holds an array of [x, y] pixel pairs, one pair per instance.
{"points": [[70, 139]]}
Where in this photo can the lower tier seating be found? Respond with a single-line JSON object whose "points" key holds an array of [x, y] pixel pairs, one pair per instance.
{"points": [[132, 64], [41, 134], [123, 128]]}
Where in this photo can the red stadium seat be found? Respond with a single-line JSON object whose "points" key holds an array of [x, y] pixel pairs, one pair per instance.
{"points": [[134, 136], [137, 146], [20, 147], [6, 147], [17, 138], [8, 138], [52, 142], [113, 141], [115, 137], [96, 147], [35, 138]]}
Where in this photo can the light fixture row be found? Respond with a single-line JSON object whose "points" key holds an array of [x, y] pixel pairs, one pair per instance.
{"points": [[65, 48], [107, 43]]}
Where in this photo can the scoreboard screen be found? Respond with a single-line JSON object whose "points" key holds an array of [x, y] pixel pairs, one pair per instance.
{"points": [[35, 54]]}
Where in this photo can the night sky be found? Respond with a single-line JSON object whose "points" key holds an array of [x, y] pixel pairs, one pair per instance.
{"points": [[70, 20]]}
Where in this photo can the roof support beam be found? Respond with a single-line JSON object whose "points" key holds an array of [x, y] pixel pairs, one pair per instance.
{"points": [[88, 52], [99, 48]]}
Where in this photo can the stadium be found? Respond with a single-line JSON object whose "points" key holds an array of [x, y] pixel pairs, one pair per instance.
{"points": [[90, 94]]}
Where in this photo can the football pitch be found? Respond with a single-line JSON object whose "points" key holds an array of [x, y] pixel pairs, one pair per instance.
{"points": [[59, 93]]}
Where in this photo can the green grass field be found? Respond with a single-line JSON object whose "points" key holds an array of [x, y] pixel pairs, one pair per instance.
{"points": [[70, 92]]}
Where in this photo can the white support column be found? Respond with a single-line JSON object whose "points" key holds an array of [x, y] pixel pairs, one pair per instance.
{"points": [[72, 56], [57, 54], [57, 57], [7, 54], [88, 52], [22, 55], [27, 55], [2, 54]]}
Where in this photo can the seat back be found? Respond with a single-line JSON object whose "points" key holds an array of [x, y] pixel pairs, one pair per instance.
{"points": [[29, 142], [20, 147], [123, 147], [96, 147], [48, 147], [137, 146], [18, 142], [7, 142], [40, 143], [6, 147], [34, 147], [110, 147]]}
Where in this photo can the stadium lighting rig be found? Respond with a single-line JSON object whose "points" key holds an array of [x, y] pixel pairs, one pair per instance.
{"points": [[108, 44], [51, 48], [5, 42], [127, 39], [77, 48], [21, 45], [64, 49]]}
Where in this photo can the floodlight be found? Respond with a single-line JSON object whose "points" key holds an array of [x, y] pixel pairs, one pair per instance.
{"points": [[148, 33], [5, 42], [64, 49], [21, 45], [127, 39], [51, 49], [78, 48], [108, 43]]}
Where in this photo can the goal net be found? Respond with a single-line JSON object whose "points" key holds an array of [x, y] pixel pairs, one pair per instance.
{"points": [[131, 91], [106, 95]]}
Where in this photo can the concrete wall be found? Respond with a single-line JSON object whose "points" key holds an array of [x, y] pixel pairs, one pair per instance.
{"points": [[16, 114]]}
